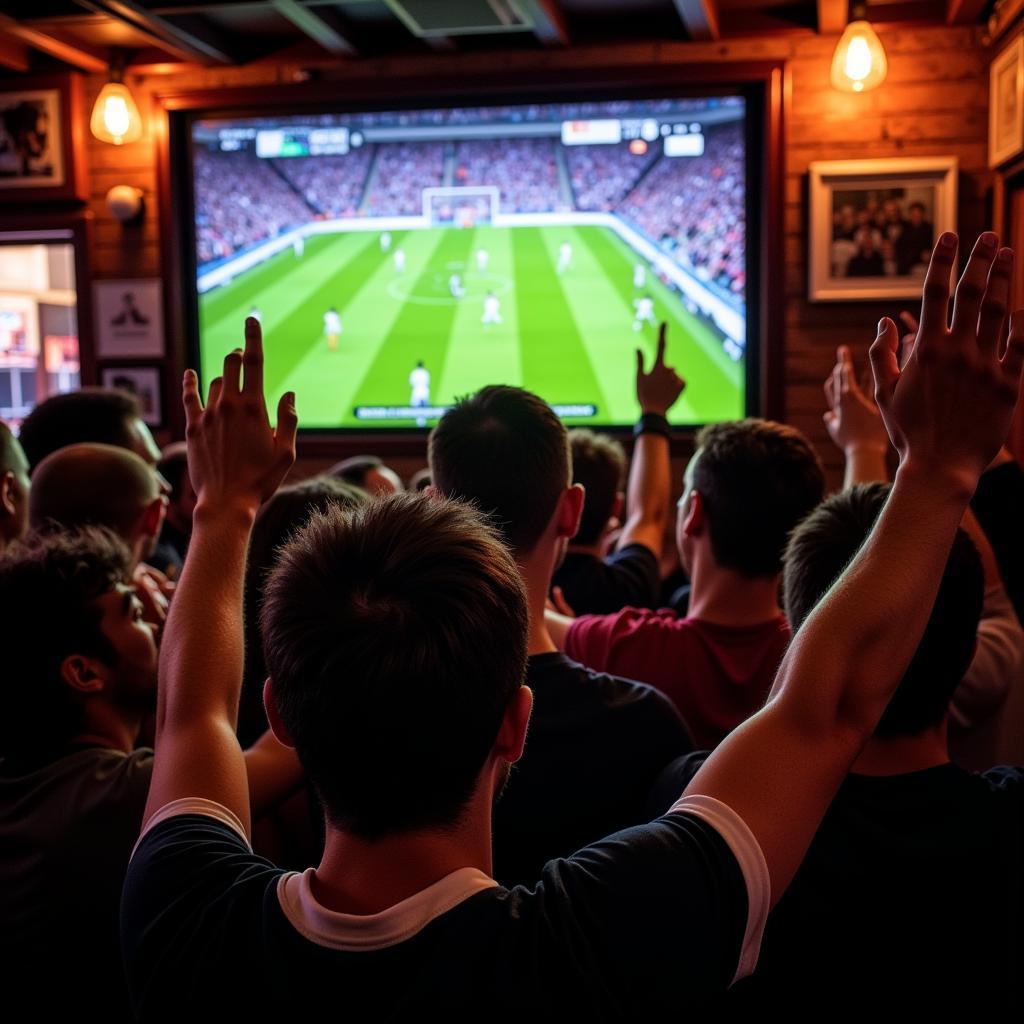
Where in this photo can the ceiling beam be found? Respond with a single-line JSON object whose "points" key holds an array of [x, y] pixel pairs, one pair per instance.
{"points": [[964, 12], [549, 24], [324, 27], [71, 53], [832, 16], [13, 53], [189, 36], [700, 18]]}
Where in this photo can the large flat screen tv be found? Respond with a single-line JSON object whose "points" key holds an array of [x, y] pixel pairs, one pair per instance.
{"points": [[399, 259]]}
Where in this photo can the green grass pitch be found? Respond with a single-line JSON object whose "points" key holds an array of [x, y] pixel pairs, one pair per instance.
{"points": [[567, 337]]}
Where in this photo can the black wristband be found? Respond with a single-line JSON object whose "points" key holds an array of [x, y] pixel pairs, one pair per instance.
{"points": [[652, 423]]}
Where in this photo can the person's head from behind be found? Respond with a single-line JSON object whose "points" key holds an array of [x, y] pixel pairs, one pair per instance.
{"points": [[99, 485], [820, 549], [395, 641], [283, 515], [747, 486], [599, 466], [181, 502], [369, 473], [915, 212], [14, 488], [100, 415], [505, 450], [76, 646]]}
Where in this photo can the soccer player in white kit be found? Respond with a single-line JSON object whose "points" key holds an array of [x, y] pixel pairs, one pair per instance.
{"points": [[332, 327], [419, 382], [492, 309], [644, 312], [455, 286], [298, 246], [564, 257], [385, 241], [399, 260], [482, 259], [639, 276]]}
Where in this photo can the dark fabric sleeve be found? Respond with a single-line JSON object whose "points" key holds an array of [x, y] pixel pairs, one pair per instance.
{"points": [[998, 503], [669, 785], [635, 576]]}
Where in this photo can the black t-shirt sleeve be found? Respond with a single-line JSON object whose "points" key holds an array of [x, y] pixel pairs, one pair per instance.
{"points": [[186, 906], [675, 777], [636, 577]]}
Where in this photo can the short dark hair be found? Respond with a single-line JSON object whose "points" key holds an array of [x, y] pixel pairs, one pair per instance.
{"points": [[92, 414], [599, 463], [823, 545], [395, 636], [505, 450], [354, 470], [49, 585], [757, 480], [282, 516], [173, 467]]}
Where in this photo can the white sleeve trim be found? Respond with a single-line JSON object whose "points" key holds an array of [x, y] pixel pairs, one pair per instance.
{"points": [[194, 805], [747, 851]]}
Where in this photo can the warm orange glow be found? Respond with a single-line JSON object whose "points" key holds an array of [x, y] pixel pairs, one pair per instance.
{"points": [[115, 117], [859, 63]]}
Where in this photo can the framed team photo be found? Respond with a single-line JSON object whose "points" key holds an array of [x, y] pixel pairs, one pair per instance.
{"points": [[873, 224], [1006, 104]]}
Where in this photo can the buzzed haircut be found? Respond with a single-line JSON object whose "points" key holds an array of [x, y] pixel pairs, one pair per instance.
{"points": [[757, 480], [505, 450], [824, 544], [395, 636], [599, 464], [49, 585], [102, 415], [91, 484]]}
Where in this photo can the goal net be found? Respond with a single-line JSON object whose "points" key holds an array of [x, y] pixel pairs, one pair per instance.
{"points": [[460, 206]]}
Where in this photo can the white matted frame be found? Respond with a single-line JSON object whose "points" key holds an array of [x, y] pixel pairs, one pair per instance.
{"points": [[934, 177], [1006, 104]]}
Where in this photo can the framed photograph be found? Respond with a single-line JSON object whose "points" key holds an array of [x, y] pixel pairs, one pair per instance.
{"points": [[41, 125], [143, 382], [873, 224], [129, 319], [1006, 104]]}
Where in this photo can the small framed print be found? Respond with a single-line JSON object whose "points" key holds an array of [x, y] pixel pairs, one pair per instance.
{"points": [[129, 319], [144, 384], [1006, 104], [873, 224]]}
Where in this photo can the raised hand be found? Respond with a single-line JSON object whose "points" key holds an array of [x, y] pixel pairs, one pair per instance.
{"points": [[949, 409], [658, 390], [852, 419], [234, 456]]}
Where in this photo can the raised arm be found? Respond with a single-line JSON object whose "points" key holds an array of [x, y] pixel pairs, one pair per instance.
{"points": [[648, 491], [947, 413], [236, 460]]}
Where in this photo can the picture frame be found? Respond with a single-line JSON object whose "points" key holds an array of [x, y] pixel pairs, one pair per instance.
{"points": [[144, 383], [129, 318], [41, 140], [872, 225], [1006, 104]]}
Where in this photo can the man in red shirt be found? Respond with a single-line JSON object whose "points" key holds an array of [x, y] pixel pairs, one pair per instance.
{"points": [[748, 484]]}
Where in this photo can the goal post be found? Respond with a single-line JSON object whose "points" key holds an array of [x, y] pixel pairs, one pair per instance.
{"points": [[461, 206]]}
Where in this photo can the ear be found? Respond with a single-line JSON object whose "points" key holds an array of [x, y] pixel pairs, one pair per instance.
{"points": [[8, 501], [512, 734], [152, 518], [431, 491], [277, 726], [569, 510], [693, 524], [83, 674]]}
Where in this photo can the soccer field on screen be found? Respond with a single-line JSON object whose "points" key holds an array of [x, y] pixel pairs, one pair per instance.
{"points": [[568, 337]]}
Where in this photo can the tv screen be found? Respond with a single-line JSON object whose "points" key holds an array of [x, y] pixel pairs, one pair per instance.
{"points": [[398, 260]]}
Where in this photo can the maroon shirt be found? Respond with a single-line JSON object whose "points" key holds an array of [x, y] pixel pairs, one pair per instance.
{"points": [[717, 676]]}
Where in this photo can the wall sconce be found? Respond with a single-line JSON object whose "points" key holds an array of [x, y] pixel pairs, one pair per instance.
{"points": [[124, 203], [859, 63], [115, 117]]}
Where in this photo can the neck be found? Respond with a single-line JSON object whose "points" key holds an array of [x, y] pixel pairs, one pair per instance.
{"points": [[729, 599], [897, 755], [107, 726], [537, 568], [365, 876], [595, 550]]}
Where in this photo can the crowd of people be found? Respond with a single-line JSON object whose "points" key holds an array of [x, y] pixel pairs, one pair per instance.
{"points": [[400, 174], [525, 172], [881, 238], [602, 176], [465, 746], [332, 186]]}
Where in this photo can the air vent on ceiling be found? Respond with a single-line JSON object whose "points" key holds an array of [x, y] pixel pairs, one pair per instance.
{"points": [[460, 17]]}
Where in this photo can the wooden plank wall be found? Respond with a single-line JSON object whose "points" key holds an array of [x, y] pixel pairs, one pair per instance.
{"points": [[934, 103]]}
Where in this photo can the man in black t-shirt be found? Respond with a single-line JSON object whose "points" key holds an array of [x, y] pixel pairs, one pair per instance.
{"points": [[396, 640]]}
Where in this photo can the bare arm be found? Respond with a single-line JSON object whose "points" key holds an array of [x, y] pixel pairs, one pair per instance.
{"points": [[236, 460], [947, 413], [649, 488]]}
